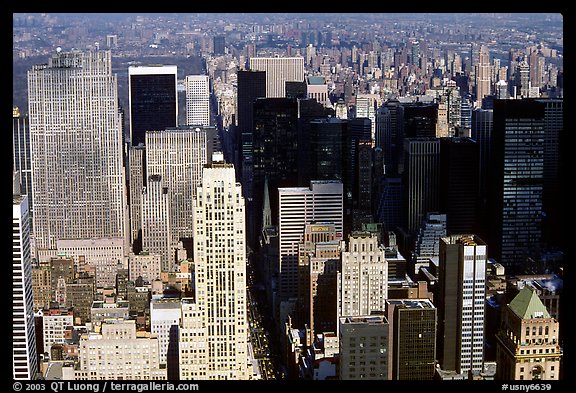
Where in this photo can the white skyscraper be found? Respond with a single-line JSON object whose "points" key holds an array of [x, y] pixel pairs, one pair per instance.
{"points": [[279, 70], [178, 155], [76, 149], [366, 108], [24, 357], [462, 298], [483, 75], [321, 202], [156, 235], [214, 330], [197, 100], [363, 281]]}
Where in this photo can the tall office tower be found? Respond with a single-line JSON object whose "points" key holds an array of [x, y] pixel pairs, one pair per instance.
{"points": [[363, 279], [76, 149], [483, 75], [481, 132], [462, 295], [156, 235], [390, 203], [413, 325], [322, 201], [197, 100], [274, 154], [21, 154], [420, 119], [278, 71], [24, 356], [364, 346], [516, 182], [522, 80], [366, 108], [421, 180], [134, 355], [427, 242], [536, 62], [465, 116], [219, 42], [554, 136], [318, 262], [165, 317], [451, 97], [100, 257], [136, 175], [326, 149], [313, 136], [458, 186], [214, 328], [390, 135], [153, 99], [178, 155], [251, 85], [527, 342]]}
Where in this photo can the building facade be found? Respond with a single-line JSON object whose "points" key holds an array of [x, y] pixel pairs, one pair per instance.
{"points": [[153, 99], [78, 178], [527, 343], [24, 356], [214, 328], [197, 100]]}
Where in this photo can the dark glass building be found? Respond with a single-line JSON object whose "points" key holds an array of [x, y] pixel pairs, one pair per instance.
{"points": [[251, 85], [153, 100], [516, 182], [458, 189]]}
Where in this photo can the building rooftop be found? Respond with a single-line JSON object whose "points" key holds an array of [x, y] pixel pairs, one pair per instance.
{"points": [[412, 303], [527, 305]]}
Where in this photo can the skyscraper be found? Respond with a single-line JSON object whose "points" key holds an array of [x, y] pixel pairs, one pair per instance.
{"points": [[534, 353], [21, 153], [458, 184], [197, 100], [156, 228], [251, 85], [217, 314], [516, 182], [483, 75], [274, 154], [278, 71], [219, 42], [421, 180], [76, 149], [178, 155], [322, 201], [413, 325], [462, 295], [153, 99], [24, 356], [363, 279]]}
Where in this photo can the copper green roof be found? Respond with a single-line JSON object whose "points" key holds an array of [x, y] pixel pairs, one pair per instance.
{"points": [[527, 304]]}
